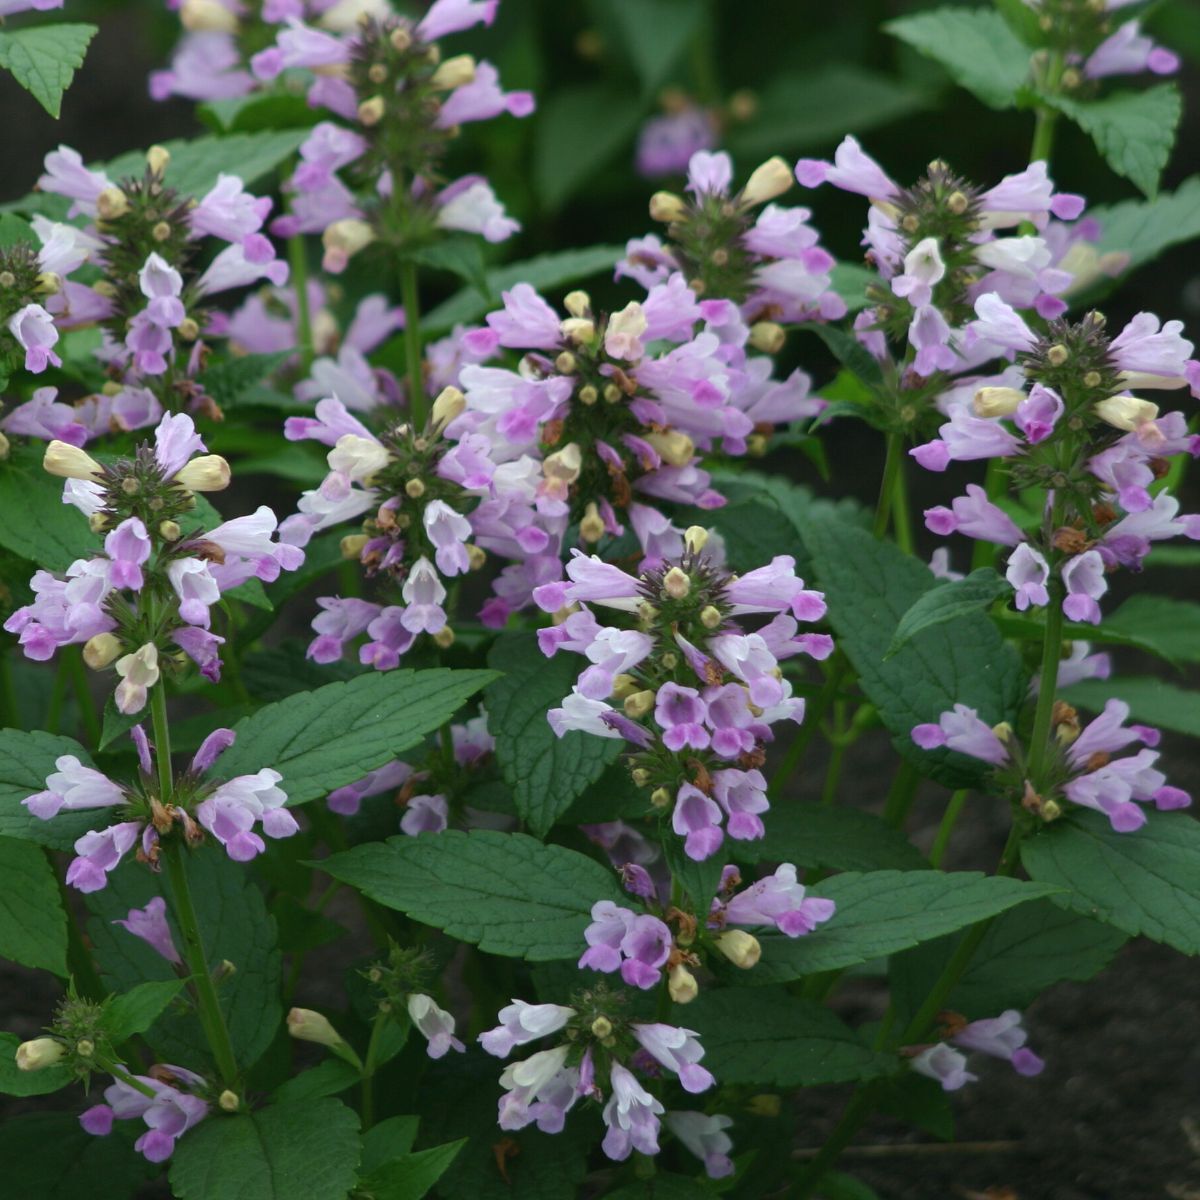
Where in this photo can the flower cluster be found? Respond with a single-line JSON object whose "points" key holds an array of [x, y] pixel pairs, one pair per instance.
{"points": [[1000, 1037], [698, 695], [174, 1105], [155, 584], [228, 810], [1081, 767]]}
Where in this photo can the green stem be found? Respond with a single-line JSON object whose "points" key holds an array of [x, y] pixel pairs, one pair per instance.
{"points": [[298, 261], [57, 695], [901, 517], [812, 720], [833, 774], [368, 1070], [887, 485], [79, 957], [8, 694], [901, 794], [994, 484], [946, 828], [212, 1019], [119, 1072], [83, 695], [1039, 742], [411, 296]]}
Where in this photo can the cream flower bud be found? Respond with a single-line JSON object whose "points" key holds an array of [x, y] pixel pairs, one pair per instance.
{"points": [[578, 329], [111, 204], [564, 464], [308, 1026], [207, 16], [39, 1054], [588, 395], [48, 284], [414, 489], [624, 685], [101, 650], [695, 538], [476, 556], [767, 336], [449, 404], [710, 616], [578, 303], [189, 329], [444, 638], [69, 462], [660, 797], [207, 473], [741, 948], [666, 206], [677, 583], [591, 527], [771, 179], [1126, 412], [639, 704], [169, 531], [676, 449], [358, 457], [352, 545], [370, 112], [342, 240], [400, 39], [681, 985], [997, 401], [3, 447], [229, 1101], [454, 72]]}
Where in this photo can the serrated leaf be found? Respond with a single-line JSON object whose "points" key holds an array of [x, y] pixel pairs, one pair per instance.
{"points": [[655, 34], [410, 1176], [1134, 131], [33, 923], [236, 927], [136, 1010], [26, 759], [882, 912], [37, 525], [306, 1151], [817, 837], [324, 739], [1167, 627], [259, 111], [850, 352], [43, 59], [1151, 701], [504, 892], [768, 1036], [461, 256], [1145, 882], [546, 773], [234, 381], [1143, 229], [545, 272], [327, 1078], [975, 45], [948, 602], [15, 1082], [116, 724], [869, 585]]}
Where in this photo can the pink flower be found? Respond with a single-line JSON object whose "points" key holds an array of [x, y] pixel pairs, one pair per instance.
{"points": [[33, 327], [150, 924]]}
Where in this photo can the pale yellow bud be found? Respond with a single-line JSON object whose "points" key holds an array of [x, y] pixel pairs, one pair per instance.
{"points": [[103, 288], [677, 583], [1057, 355], [189, 329], [767, 336], [7, 279], [591, 528], [660, 797], [342, 240], [476, 557], [207, 473], [370, 112], [578, 330], [85, 1047], [666, 206], [308, 1026], [602, 1027], [676, 449], [377, 73], [444, 637], [566, 363], [771, 179], [997, 401], [1003, 731], [112, 204], [161, 231], [400, 38], [695, 538], [352, 545], [1125, 412], [48, 284], [624, 685], [228, 1101], [638, 704], [741, 948], [588, 395], [3, 447], [710, 616], [415, 489], [578, 303], [612, 393], [564, 464], [39, 1054], [205, 16], [681, 985], [101, 650], [454, 72], [1051, 810], [449, 404], [640, 776], [169, 531], [69, 462], [98, 522]]}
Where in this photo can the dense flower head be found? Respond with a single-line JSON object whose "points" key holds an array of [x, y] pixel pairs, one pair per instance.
{"points": [[1082, 767], [697, 694]]}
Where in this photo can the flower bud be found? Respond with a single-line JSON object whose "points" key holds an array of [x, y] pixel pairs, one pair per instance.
{"points": [[638, 704], [7, 279], [476, 556], [710, 616], [695, 538], [207, 473], [578, 303], [444, 637], [377, 73], [101, 650], [69, 462], [102, 287], [771, 179], [602, 1027], [308, 1026], [564, 464], [681, 985], [98, 522], [454, 72], [449, 404], [666, 206], [3, 447], [1057, 355], [677, 583], [675, 448], [612, 393], [1125, 412], [591, 528], [578, 330], [414, 489], [400, 38], [640, 776], [1051, 810], [767, 336], [48, 284], [370, 112], [112, 204], [352, 545], [205, 16], [343, 239], [85, 1047], [588, 395], [997, 401], [566, 363], [228, 1101], [39, 1054], [741, 948], [660, 797], [1003, 731], [624, 685], [161, 231]]}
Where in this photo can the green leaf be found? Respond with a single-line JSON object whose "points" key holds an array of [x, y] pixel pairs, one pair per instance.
{"points": [[303, 1151], [655, 34], [43, 59], [580, 129], [975, 45], [412, 1175], [14, 230], [1151, 701], [1134, 131], [387, 1140], [816, 837], [1166, 627], [325, 1079], [948, 602], [835, 1185], [26, 759], [236, 380], [507, 893], [810, 108], [324, 739], [698, 881], [545, 272], [259, 111], [37, 525], [869, 586], [116, 724], [33, 923], [15, 1082], [770, 1037], [546, 773], [1024, 952], [237, 927], [1145, 882], [882, 912], [850, 281], [850, 352], [1143, 229], [461, 256], [136, 1010]]}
